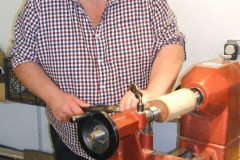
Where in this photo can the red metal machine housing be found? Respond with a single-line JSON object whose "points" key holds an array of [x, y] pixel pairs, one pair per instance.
{"points": [[213, 129]]}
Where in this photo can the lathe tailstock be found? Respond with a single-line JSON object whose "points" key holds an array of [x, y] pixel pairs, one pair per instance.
{"points": [[208, 104]]}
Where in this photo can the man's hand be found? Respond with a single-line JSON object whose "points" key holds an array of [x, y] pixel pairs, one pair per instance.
{"points": [[64, 106], [129, 101]]}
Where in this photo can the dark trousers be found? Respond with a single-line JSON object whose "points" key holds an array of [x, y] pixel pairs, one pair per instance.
{"points": [[62, 152]]}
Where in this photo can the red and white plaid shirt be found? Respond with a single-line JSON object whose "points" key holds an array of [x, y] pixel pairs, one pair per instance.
{"points": [[95, 65]]}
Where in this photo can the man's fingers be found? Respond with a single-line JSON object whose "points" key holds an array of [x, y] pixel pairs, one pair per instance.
{"points": [[61, 117], [128, 101], [81, 103], [76, 110], [145, 99]]}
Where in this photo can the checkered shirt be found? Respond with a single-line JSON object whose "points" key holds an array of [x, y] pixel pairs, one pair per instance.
{"points": [[96, 65]]}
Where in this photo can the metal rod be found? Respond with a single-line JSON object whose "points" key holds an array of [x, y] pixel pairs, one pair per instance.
{"points": [[96, 135]]}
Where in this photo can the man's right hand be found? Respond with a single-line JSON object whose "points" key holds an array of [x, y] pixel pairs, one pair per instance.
{"points": [[64, 106]]}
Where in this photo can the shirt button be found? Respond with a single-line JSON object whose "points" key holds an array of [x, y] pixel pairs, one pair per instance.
{"points": [[97, 36], [102, 86]]}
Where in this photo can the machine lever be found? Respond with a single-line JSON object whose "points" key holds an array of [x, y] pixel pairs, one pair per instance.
{"points": [[133, 88], [85, 116], [88, 115], [104, 108]]}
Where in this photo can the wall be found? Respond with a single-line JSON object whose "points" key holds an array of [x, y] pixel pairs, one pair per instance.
{"points": [[206, 24], [24, 126], [8, 14]]}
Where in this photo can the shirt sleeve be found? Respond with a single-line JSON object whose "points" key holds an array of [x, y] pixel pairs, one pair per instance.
{"points": [[164, 23], [26, 30]]}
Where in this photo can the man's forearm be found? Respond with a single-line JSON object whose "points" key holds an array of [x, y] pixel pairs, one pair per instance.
{"points": [[33, 77], [165, 70]]}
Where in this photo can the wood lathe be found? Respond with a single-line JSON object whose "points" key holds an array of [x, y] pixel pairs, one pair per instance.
{"points": [[208, 104]]}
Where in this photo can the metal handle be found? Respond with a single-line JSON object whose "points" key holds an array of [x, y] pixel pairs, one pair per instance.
{"points": [[133, 88]]}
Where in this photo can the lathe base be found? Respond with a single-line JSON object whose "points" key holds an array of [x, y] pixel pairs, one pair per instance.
{"points": [[213, 151]]}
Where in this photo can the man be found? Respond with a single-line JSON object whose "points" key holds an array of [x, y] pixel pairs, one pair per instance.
{"points": [[73, 54]]}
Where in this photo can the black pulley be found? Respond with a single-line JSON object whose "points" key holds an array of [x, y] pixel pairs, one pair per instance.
{"points": [[98, 134]]}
